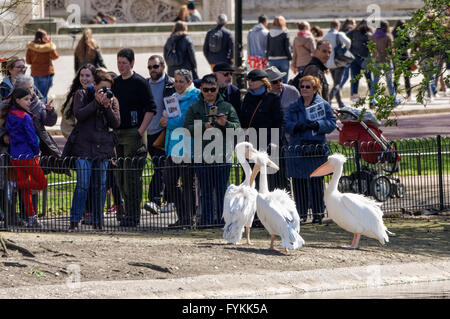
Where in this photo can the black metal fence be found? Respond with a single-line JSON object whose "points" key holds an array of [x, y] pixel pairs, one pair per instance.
{"points": [[190, 195]]}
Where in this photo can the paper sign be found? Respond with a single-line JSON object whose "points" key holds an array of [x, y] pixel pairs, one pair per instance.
{"points": [[315, 112], [172, 106]]}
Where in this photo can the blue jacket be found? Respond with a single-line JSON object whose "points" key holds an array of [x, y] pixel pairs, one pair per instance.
{"points": [[178, 122], [308, 149], [24, 143]]}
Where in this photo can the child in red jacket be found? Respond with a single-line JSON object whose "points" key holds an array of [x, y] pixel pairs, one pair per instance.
{"points": [[24, 149]]}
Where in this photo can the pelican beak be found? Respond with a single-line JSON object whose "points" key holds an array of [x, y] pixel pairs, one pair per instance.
{"points": [[322, 170], [273, 165], [255, 172]]}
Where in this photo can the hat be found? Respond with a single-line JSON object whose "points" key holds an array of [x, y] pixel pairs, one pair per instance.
{"points": [[222, 67], [191, 6], [274, 74], [256, 74]]}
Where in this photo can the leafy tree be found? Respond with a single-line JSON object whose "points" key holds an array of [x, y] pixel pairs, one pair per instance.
{"points": [[426, 37]]}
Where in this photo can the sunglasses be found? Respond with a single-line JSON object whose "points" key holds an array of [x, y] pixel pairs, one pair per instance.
{"points": [[227, 73], [276, 81], [305, 87], [206, 90], [154, 66]]}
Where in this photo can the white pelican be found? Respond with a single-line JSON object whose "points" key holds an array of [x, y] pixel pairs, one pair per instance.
{"points": [[239, 204], [276, 210], [354, 213]]}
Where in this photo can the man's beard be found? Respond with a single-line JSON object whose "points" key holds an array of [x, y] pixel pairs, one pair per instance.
{"points": [[156, 75]]}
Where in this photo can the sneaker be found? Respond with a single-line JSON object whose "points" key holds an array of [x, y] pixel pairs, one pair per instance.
{"points": [[168, 208], [447, 92], [152, 207], [111, 210], [33, 222]]}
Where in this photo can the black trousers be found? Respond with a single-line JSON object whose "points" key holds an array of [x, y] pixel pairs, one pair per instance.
{"points": [[309, 193], [156, 188]]}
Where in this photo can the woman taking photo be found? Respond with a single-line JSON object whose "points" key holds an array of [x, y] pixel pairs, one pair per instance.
{"points": [[92, 143], [40, 53], [308, 121], [182, 196]]}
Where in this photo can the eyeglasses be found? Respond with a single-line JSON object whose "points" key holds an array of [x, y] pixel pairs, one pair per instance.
{"points": [[21, 67], [227, 73], [276, 81], [206, 90], [305, 87], [154, 66]]}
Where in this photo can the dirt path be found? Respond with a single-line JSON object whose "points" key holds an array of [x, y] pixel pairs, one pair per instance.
{"points": [[63, 258]]}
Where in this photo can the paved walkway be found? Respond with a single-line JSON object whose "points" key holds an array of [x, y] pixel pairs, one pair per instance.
{"points": [[242, 285]]}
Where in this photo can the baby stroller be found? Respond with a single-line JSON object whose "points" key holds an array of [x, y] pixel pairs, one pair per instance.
{"points": [[373, 148]]}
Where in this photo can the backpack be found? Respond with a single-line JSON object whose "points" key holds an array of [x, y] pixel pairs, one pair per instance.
{"points": [[215, 41], [171, 54]]}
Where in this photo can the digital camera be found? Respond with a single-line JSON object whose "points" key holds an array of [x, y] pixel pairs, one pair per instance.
{"points": [[108, 92]]}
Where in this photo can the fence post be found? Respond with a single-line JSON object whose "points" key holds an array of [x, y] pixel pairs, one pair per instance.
{"points": [[441, 184], [358, 166]]}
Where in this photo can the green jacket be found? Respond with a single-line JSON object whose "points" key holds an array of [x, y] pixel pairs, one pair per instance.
{"points": [[200, 111]]}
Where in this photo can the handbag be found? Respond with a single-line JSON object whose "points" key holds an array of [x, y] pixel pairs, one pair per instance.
{"points": [[342, 55], [160, 141]]}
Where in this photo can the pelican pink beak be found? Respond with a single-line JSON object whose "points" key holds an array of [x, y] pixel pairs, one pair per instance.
{"points": [[322, 170]]}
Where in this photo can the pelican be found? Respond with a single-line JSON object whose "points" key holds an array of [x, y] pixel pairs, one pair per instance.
{"points": [[239, 205], [354, 213], [276, 210]]}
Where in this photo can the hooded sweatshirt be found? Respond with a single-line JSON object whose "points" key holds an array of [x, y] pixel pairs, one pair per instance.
{"points": [[304, 47], [40, 57], [257, 41], [278, 44]]}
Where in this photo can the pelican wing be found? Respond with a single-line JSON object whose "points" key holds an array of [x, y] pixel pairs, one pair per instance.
{"points": [[366, 216], [280, 217], [239, 211]]}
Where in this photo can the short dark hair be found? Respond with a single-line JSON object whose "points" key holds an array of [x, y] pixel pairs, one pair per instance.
{"points": [[262, 18], [320, 42], [126, 53], [209, 79], [156, 56]]}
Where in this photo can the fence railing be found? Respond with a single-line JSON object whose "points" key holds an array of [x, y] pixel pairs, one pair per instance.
{"points": [[190, 195]]}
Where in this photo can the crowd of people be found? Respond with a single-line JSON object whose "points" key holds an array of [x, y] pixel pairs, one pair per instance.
{"points": [[109, 117]]}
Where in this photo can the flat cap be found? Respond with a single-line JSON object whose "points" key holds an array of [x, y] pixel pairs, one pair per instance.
{"points": [[256, 74], [223, 67]]}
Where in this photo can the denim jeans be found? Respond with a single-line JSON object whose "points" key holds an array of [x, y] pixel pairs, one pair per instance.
{"points": [[389, 81], [356, 66], [43, 83], [213, 182], [85, 169], [283, 66], [337, 74]]}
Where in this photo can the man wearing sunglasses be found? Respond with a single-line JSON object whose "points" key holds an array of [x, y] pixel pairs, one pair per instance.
{"points": [[212, 173], [229, 92], [161, 86]]}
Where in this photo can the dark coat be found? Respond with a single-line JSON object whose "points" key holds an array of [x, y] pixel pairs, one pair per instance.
{"points": [[91, 137], [268, 115], [359, 43], [308, 149], [184, 47], [227, 51], [315, 68]]}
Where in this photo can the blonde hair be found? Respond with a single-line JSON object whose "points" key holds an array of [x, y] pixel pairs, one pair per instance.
{"points": [[279, 21], [87, 48], [183, 13], [180, 27], [317, 86], [267, 84], [11, 63]]}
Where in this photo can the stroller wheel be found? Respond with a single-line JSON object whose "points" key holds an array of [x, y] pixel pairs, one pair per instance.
{"points": [[380, 188], [399, 190], [345, 184]]}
